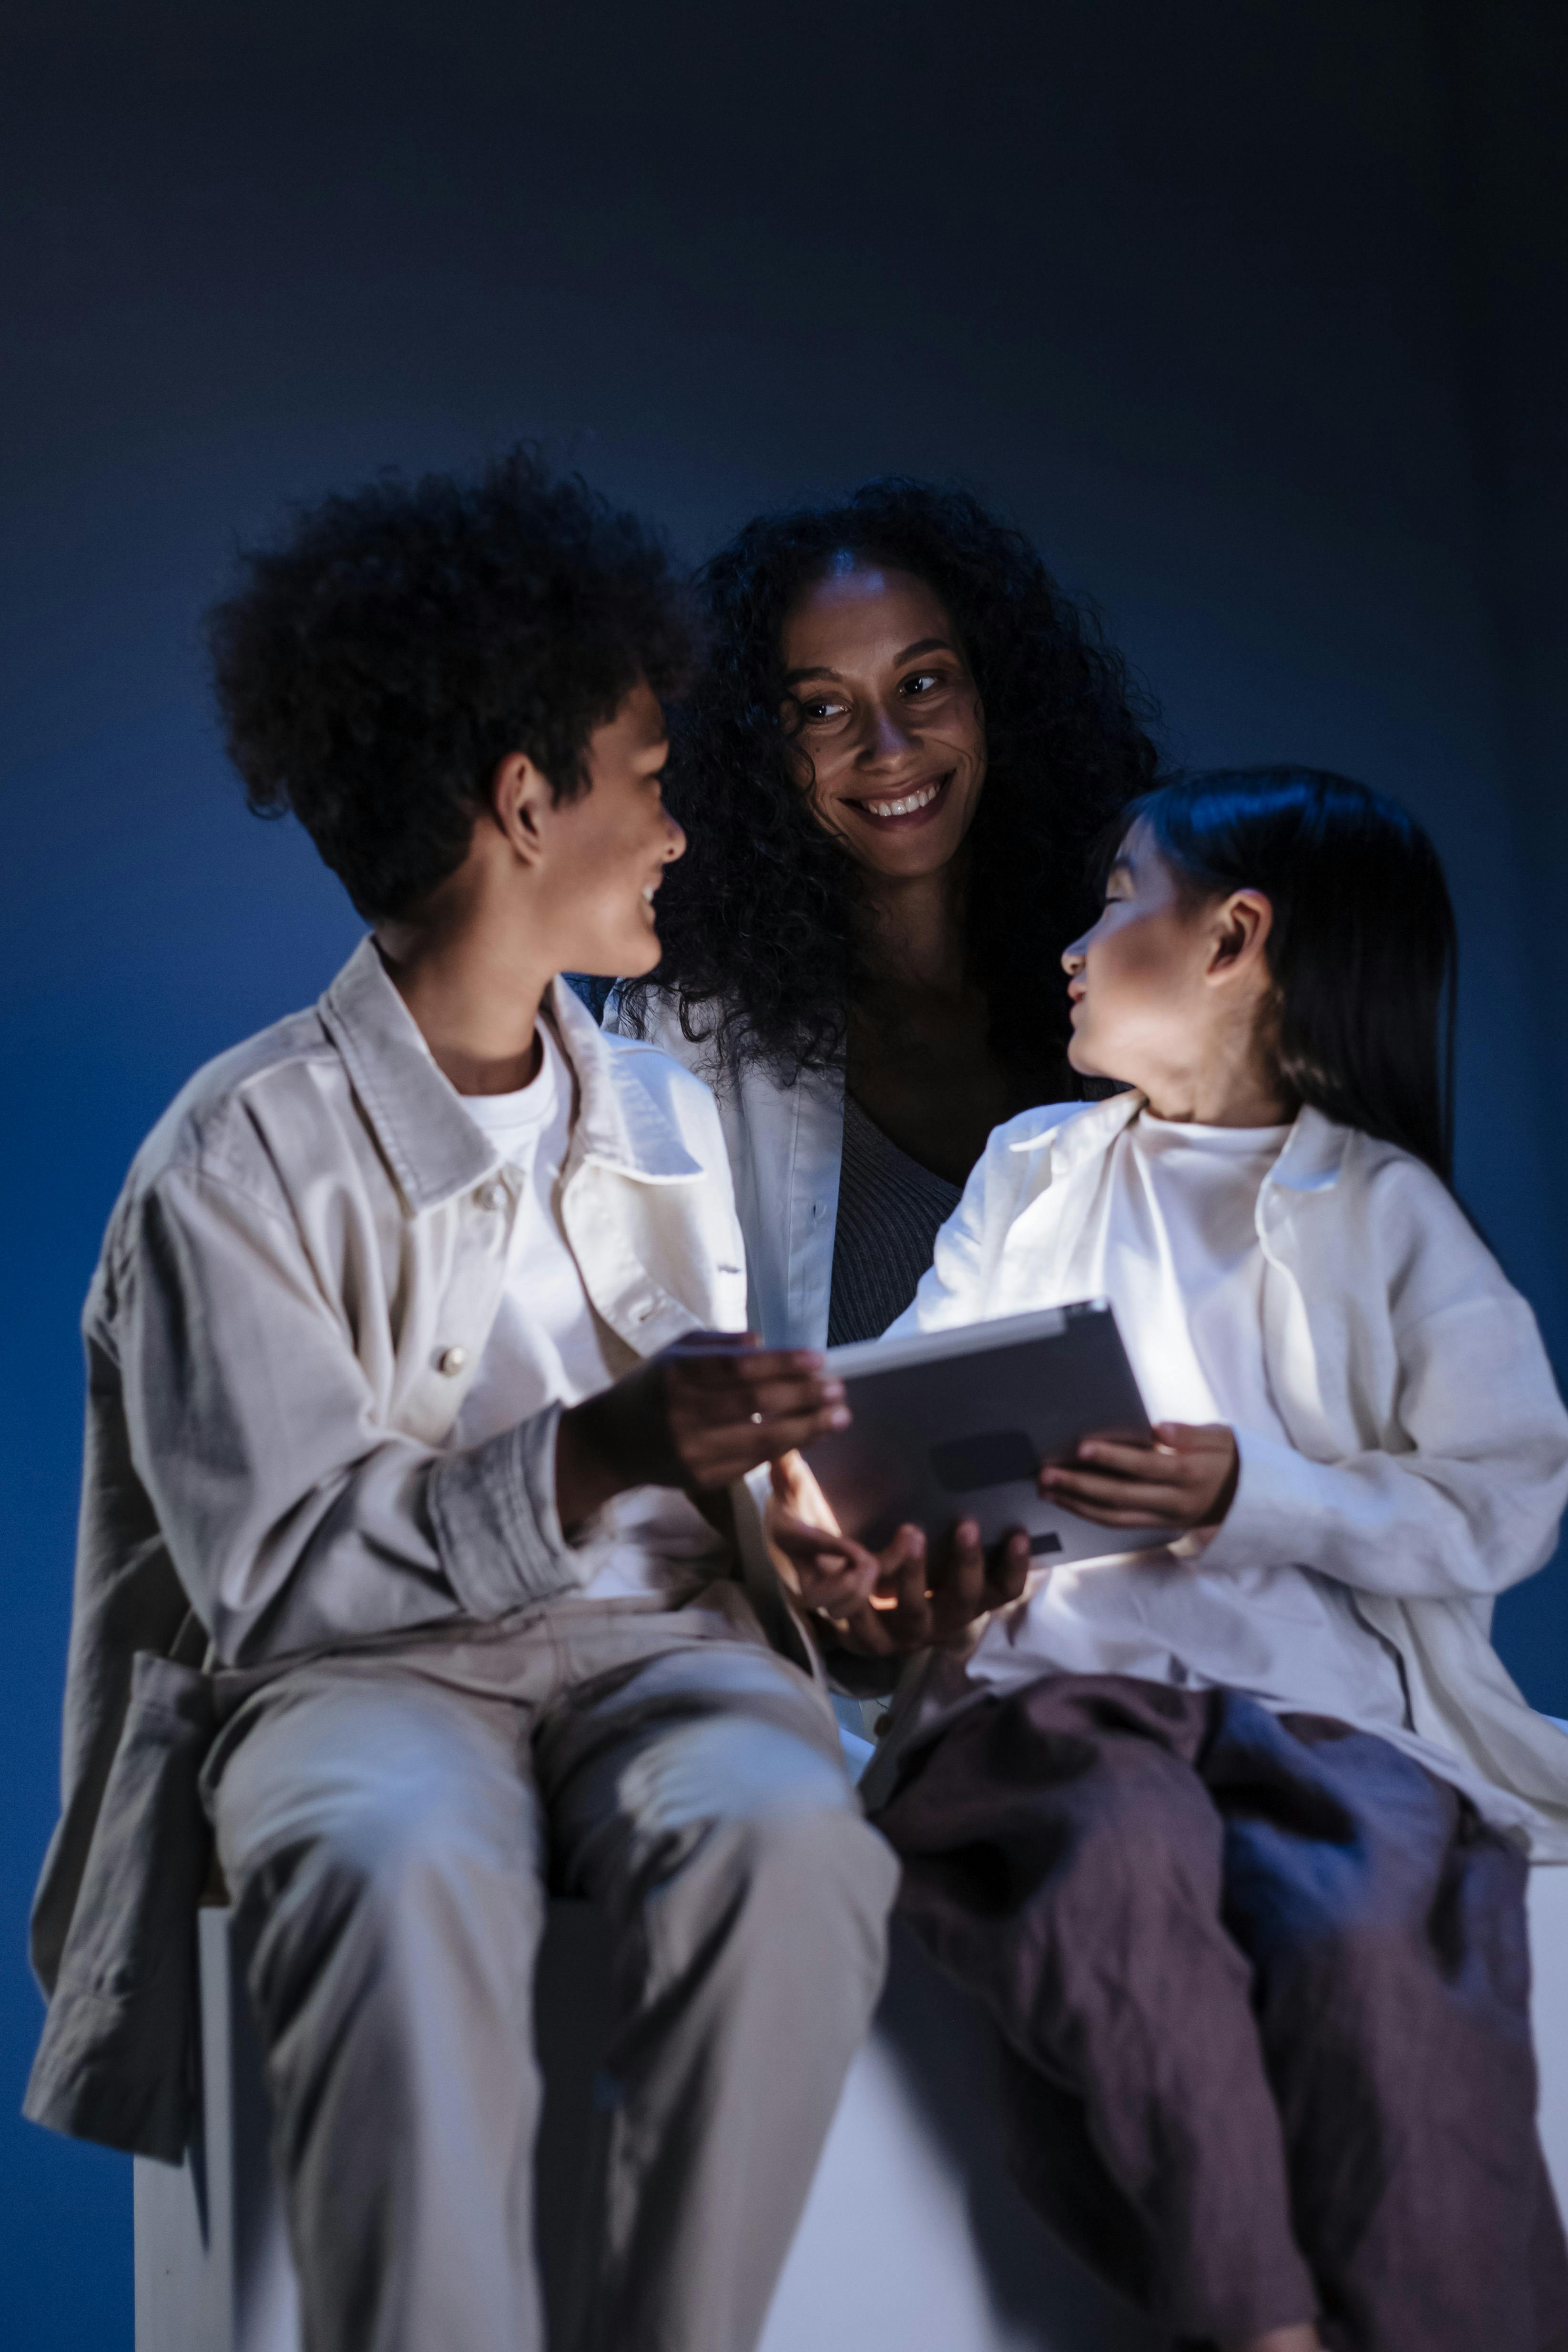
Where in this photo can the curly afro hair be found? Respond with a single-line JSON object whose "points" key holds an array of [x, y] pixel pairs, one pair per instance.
{"points": [[758, 922], [375, 665]]}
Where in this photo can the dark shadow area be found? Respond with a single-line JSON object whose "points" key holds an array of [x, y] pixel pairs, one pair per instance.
{"points": [[573, 1986]]}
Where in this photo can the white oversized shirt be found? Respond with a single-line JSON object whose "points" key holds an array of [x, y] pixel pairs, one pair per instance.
{"points": [[1173, 1242], [1424, 1464]]}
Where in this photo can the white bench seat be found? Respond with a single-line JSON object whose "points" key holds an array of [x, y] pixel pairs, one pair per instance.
{"points": [[913, 2233]]}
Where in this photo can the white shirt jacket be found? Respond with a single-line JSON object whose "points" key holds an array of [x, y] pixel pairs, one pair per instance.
{"points": [[294, 1296], [786, 1145]]}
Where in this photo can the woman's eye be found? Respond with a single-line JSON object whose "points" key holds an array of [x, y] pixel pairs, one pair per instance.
{"points": [[925, 682], [817, 711]]}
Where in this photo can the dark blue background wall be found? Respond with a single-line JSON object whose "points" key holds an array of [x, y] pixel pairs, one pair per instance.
{"points": [[1246, 311]]}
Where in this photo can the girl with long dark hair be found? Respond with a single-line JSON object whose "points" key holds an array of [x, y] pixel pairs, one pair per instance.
{"points": [[890, 771], [1232, 1835]]}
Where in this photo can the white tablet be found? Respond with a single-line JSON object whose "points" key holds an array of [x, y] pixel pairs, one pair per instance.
{"points": [[954, 1424]]}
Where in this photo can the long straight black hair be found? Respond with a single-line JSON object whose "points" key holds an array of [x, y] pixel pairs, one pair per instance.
{"points": [[1363, 950]]}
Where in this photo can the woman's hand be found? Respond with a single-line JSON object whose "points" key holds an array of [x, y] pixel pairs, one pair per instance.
{"points": [[1185, 1481], [883, 1604], [698, 1415]]}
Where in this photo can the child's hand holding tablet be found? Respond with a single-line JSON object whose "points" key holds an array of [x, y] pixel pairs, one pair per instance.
{"points": [[907, 1596], [1185, 1480]]}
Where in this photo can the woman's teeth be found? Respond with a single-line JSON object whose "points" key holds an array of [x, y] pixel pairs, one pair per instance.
{"points": [[907, 806], [648, 890]]}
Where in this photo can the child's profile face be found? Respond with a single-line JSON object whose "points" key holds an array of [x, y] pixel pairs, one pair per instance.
{"points": [[608, 849], [1143, 1006]]}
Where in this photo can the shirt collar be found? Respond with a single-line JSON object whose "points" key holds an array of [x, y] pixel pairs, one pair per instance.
{"points": [[1313, 1155], [434, 1149], [620, 1124], [1088, 1130], [1311, 1159]]}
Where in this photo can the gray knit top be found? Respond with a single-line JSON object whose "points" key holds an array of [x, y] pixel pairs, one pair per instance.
{"points": [[889, 1208]]}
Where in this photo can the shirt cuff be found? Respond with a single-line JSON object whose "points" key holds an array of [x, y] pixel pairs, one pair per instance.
{"points": [[497, 1528], [1271, 1511]]}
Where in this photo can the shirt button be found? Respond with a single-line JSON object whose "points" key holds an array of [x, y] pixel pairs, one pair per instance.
{"points": [[452, 1362], [492, 1195]]}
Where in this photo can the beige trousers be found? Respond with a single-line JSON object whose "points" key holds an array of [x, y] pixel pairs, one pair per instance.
{"points": [[389, 1827]]}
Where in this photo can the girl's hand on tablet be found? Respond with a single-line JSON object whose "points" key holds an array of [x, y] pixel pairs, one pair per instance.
{"points": [[1185, 1481]]}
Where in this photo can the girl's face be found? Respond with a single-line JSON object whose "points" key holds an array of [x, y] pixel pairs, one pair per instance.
{"points": [[886, 732], [1170, 993]]}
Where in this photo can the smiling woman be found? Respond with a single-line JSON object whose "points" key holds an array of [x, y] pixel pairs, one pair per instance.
{"points": [[891, 770]]}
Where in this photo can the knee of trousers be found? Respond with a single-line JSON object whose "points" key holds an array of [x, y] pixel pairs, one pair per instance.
{"points": [[1130, 1873], [1051, 1907], [1351, 1974], [813, 1881], [386, 1904]]}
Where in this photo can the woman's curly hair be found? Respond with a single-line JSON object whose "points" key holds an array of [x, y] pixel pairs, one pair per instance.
{"points": [[758, 920], [375, 665]]}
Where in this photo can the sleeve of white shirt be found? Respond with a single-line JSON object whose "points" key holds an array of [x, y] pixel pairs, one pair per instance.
{"points": [[1471, 1504], [293, 1516], [955, 1287], [952, 1287]]}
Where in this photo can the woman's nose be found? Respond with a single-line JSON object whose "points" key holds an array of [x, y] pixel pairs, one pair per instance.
{"points": [[1073, 959], [676, 845], [889, 734]]}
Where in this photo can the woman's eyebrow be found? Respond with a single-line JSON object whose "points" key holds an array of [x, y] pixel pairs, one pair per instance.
{"points": [[921, 645], [924, 646]]}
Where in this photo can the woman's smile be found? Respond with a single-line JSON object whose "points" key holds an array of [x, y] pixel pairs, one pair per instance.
{"points": [[902, 812], [883, 718]]}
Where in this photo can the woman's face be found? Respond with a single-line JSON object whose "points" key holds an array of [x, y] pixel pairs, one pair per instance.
{"points": [[886, 731]]}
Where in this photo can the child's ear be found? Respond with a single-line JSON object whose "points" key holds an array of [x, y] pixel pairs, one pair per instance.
{"points": [[521, 800], [1242, 925]]}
